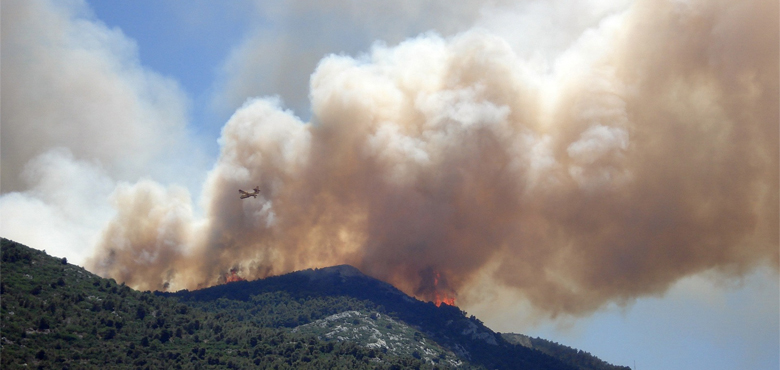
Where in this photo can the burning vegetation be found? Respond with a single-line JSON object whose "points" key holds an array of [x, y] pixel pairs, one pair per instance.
{"points": [[233, 276], [434, 288], [439, 299]]}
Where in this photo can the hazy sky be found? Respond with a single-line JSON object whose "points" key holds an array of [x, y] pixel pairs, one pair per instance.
{"points": [[603, 174]]}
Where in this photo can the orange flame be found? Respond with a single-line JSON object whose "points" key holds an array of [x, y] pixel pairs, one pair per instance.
{"points": [[233, 277], [441, 295], [439, 299]]}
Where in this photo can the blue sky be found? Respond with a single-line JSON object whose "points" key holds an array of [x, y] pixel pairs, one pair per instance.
{"points": [[211, 57], [188, 42]]}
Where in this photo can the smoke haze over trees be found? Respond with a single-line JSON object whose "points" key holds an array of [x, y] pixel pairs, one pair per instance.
{"points": [[643, 151]]}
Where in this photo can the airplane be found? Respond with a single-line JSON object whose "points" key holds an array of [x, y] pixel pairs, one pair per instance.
{"points": [[245, 195]]}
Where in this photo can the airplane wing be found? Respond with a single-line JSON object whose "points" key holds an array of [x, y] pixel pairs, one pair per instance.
{"points": [[254, 194]]}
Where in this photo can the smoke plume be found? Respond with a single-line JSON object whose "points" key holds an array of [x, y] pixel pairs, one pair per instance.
{"points": [[67, 81], [78, 113], [646, 152]]}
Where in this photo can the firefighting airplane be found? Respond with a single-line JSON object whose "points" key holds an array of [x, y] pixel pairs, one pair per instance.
{"points": [[245, 195]]}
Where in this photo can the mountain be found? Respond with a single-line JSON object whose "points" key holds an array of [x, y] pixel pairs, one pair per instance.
{"points": [[580, 359], [55, 314], [316, 294]]}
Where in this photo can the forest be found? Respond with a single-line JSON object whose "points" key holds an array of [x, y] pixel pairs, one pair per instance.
{"points": [[58, 315]]}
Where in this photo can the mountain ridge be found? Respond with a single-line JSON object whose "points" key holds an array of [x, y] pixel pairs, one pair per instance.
{"points": [[57, 313], [448, 326]]}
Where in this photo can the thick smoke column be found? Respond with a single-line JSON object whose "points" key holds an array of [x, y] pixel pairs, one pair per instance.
{"points": [[648, 153]]}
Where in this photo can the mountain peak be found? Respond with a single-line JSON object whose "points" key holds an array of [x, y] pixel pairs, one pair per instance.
{"points": [[341, 270]]}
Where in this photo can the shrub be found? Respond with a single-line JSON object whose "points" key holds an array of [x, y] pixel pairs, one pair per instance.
{"points": [[43, 324]]}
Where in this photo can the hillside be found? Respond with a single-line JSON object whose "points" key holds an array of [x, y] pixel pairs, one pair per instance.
{"points": [[313, 298], [580, 359], [55, 314]]}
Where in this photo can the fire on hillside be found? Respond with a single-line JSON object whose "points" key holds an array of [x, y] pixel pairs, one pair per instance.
{"points": [[233, 276]]}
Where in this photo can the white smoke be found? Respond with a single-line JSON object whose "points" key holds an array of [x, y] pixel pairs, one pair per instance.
{"points": [[574, 167], [79, 113], [589, 183], [63, 208]]}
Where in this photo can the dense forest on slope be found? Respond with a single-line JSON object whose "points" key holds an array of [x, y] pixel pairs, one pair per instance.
{"points": [[580, 359], [57, 315], [302, 297]]}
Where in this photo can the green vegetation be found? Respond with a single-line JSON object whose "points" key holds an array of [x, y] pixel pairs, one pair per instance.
{"points": [[580, 359], [374, 330], [56, 315], [303, 297]]}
